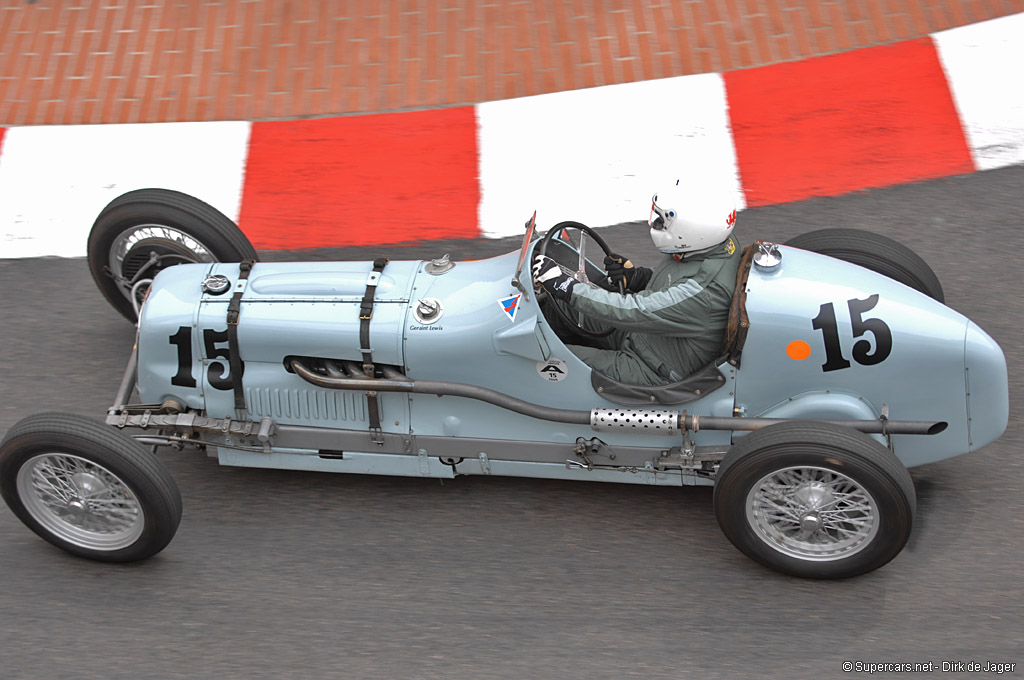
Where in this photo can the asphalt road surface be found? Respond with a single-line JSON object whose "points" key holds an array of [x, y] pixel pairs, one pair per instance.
{"points": [[302, 575]]}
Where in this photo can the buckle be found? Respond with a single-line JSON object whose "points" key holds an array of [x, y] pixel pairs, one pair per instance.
{"points": [[232, 317], [365, 313]]}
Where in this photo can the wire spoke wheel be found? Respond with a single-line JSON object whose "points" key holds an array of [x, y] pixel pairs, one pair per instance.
{"points": [[87, 488], [138, 254], [812, 513], [80, 501], [814, 500], [143, 232]]}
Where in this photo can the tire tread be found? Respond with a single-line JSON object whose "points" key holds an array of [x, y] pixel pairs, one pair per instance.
{"points": [[788, 442], [69, 430], [876, 252], [227, 242]]}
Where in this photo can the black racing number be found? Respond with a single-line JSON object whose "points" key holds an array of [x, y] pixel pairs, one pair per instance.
{"points": [[826, 323], [862, 353], [862, 349], [183, 341], [218, 373]]}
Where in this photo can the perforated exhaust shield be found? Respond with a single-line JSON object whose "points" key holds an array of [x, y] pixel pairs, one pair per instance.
{"points": [[649, 421]]}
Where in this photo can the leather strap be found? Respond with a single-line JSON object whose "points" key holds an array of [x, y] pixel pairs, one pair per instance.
{"points": [[738, 324], [234, 356], [365, 314]]}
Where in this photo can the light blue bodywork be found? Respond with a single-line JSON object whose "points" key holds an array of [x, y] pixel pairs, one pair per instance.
{"points": [[922, 379], [942, 367]]}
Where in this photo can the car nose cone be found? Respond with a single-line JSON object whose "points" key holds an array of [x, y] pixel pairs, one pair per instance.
{"points": [[988, 395]]}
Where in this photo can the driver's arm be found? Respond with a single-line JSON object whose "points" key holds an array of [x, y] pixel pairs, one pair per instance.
{"points": [[683, 310]]}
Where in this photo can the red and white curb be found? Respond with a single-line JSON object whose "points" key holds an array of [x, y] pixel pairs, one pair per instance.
{"points": [[947, 104]]}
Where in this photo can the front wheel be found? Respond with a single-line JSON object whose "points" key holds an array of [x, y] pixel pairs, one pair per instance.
{"points": [[143, 232], [814, 500], [88, 489], [875, 252]]}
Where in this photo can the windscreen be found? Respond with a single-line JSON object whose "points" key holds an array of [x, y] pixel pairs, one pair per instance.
{"points": [[531, 225]]}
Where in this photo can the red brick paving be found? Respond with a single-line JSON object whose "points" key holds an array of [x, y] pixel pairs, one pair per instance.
{"points": [[127, 61]]}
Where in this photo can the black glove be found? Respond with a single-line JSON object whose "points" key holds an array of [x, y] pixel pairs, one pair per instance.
{"points": [[620, 269], [548, 274]]}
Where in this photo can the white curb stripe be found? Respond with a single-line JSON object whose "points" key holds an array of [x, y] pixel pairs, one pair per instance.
{"points": [[983, 67], [594, 155], [54, 180], [598, 155]]}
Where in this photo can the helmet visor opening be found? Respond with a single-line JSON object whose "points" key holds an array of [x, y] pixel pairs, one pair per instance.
{"points": [[659, 218]]}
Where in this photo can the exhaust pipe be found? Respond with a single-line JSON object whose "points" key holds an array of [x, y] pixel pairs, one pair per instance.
{"points": [[647, 421]]}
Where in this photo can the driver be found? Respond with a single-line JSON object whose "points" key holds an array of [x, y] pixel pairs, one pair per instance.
{"points": [[670, 320]]}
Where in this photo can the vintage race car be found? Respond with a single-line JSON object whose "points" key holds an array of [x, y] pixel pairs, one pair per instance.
{"points": [[840, 369]]}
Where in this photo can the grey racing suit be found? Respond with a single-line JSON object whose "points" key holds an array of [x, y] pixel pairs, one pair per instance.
{"points": [[670, 329]]}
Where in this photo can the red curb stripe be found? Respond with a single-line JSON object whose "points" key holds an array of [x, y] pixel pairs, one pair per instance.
{"points": [[362, 180], [830, 125]]}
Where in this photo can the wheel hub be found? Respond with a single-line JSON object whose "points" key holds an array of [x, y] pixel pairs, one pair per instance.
{"points": [[88, 484], [153, 256], [80, 501], [813, 495], [812, 513], [84, 486], [810, 522], [809, 497], [138, 254]]}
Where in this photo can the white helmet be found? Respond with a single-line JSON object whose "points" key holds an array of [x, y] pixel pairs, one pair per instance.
{"points": [[687, 219]]}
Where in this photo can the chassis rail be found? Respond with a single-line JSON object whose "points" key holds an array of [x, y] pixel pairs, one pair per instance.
{"points": [[171, 424], [347, 377], [668, 421]]}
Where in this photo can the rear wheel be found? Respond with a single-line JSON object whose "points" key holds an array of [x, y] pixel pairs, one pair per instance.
{"points": [[875, 252], [814, 500], [88, 489], [143, 232]]}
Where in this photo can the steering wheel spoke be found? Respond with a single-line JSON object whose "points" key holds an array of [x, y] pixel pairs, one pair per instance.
{"points": [[565, 270], [580, 273]]}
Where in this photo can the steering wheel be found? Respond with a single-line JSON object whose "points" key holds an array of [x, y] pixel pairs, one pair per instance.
{"points": [[580, 274]]}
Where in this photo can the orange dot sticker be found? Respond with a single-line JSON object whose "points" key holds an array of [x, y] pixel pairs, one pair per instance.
{"points": [[798, 350]]}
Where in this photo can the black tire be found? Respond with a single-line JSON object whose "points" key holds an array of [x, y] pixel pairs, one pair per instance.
{"points": [[875, 252], [112, 501], [805, 463], [139, 223]]}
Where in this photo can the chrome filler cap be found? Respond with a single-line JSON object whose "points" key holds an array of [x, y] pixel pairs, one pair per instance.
{"points": [[440, 265], [767, 255], [428, 310], [216, 284]]}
